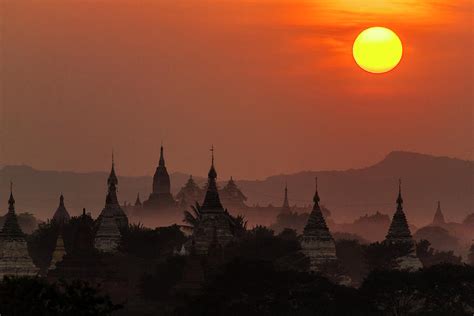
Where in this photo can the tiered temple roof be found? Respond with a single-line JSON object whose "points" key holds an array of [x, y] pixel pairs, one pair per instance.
{"points": [[189, 194], [232, 197], [317, 242], [160, 198], [61, 216], [399, 232], [214, 219], [14, 256], [112, 207], [438, 219]]}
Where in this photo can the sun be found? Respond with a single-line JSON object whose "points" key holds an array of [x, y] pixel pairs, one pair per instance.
{"points": [[377, 50]]}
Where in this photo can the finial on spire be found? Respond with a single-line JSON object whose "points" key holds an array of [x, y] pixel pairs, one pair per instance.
{"points": [[212, 154], [316, 194], [400, 199], [113, 158], [84, 211], [11, 187]]}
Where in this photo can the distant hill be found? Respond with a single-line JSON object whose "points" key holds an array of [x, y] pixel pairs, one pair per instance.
{"points": [[347, 193]]}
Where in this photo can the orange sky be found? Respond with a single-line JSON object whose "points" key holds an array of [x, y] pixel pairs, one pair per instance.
{"points": [[271, 83]]}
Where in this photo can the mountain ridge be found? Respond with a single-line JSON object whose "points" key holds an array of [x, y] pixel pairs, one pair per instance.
{"points": [[349, 193]]}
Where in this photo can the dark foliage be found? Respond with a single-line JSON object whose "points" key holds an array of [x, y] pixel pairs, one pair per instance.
{"points": [[42, 241], [34, 296], [350, 254], [383, 255], [438, 290], [151, 243], [429, 257], [257, 288], [260, 243], [471, 255], [158, 286]]}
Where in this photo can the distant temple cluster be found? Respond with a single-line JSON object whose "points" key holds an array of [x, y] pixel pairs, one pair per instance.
{"points": [[215, 227]]}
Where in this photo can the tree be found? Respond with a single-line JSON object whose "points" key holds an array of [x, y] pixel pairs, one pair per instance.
{"points": [[34, 296], [429, 257], [193, 217], [151, 243], [384, 255], [350, 254]]}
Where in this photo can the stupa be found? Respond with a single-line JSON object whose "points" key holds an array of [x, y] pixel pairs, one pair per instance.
{"points": [[107, 238], [58, 253], [399, 233], [438, 219], [112, 207], [14, 257], [215, 221], [317, 242]]}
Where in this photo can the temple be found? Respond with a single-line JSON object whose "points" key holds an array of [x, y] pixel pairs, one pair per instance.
{"points": [[399, 232], [112, 207], [61, 216], [160, 197], [438, 219], [215, 222], [14, 257], [232, 197], [189, 194], [317, 242]]}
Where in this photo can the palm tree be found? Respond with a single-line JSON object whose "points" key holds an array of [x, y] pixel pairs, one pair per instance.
{"points": [[192, 218]]}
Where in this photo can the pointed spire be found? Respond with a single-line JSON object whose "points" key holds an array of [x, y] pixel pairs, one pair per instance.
{"points": [[61, 215], [112, 180], [11, 200], [400, 199], [212, 200], [439, 217], [316, 225], [399, 229], [161, 163], [11, 228], [316, 195], [137, 201]]}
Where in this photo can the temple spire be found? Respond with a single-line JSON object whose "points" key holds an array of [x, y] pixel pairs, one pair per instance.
{"points": [[212, 200], [286, 203], [399, 199], [316, 194], [161, 163], [11, 200], [438, 219]]}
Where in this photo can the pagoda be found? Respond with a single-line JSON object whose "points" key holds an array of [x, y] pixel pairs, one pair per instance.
{"points": [[232, 197], [61, 216], [112, 207], [215, 222], [14, 257], [189, 194], [438, 219], [107, 238], [160, 197], [58, 253], [317, 242], [399, 233]]}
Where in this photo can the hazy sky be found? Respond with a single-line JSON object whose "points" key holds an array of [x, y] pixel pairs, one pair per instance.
{"points": [[271, 83]]}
